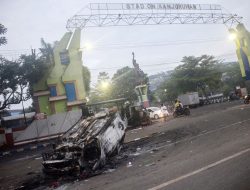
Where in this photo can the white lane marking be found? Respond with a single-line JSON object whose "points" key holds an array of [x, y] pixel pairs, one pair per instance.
{"points": [[199, 170]]}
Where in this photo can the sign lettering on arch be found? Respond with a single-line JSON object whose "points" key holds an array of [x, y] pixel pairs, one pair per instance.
{"points": [[160, 6]]}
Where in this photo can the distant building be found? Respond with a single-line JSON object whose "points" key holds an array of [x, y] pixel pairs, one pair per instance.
{"points": [[62, 89]]}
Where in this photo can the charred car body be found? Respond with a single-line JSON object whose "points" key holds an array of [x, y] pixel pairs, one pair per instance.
{"points": [[88, 145]]}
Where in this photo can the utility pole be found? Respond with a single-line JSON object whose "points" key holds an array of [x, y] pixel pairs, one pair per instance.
{"points": [[25, 121]]}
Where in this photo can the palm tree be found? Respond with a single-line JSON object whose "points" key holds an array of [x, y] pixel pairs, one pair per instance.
{"points": [[47, 52]]}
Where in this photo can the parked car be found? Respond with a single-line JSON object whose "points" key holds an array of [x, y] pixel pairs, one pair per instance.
{"points": [[155, 112]]}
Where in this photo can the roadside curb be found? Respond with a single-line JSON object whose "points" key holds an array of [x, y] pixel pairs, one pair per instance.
{"points": [[34, 147], [45, 144], [18, 150]]}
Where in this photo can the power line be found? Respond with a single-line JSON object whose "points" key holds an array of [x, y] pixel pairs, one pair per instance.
{"points": [[149, 65], [127, 45], [141, 43], [14, 50], [158, 44], [16, 53], [157, 64]]}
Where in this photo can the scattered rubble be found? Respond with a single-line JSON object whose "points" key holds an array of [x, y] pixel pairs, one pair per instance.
{"points": [[129, 165], [150, 164]]}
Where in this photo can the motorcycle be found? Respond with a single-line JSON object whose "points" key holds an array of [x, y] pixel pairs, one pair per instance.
{"points": [[247, 99], [181, 111]]}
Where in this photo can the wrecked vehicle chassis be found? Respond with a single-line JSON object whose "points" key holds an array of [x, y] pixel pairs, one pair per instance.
{"points": [[87, 146]]}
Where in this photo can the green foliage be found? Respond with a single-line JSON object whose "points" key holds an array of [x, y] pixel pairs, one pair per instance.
{"points": [[124, 82], [186, 77], [47, 52], [17, 77], [200, 71], [231, 76], [103, 76], [86, 78], [197, 70], [121, 85], [12, 83], [8, 71], [12, 80], [3, 39], [33, 68]]}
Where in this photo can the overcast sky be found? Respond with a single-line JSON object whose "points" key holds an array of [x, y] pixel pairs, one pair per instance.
{"points": [[30, 20]]}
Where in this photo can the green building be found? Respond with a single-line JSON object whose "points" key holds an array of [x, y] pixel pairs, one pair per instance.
{"points": [[62, 88]]}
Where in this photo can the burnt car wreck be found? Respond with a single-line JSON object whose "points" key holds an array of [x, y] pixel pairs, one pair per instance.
{"points": [[88, 145]]}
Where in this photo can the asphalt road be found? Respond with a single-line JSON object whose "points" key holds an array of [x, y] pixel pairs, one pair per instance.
{"points": [[208, 150], [213, 154]]}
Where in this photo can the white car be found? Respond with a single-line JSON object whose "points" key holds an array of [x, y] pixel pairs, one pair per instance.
{"points": [[155, 112]]}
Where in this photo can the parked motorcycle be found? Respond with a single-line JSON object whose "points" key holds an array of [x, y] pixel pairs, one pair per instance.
{"points": [[247, 99], [181, 111]]}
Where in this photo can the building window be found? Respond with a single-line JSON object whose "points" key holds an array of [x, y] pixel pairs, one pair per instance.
{"points": [[64, 57], [70, 91], [52, 90]]}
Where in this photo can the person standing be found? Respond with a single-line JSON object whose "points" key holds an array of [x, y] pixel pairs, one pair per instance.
{"points": [[164, 111]]}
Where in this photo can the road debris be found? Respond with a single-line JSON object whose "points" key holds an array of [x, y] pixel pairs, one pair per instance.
{"points": [[109, 171], [138, 149], [150, 164], [129, 164], [137, 139]]}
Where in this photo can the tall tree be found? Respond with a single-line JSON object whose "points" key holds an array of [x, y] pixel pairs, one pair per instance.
{"points": [[124, 82], [17, 77], [102, 76], [33, 68], [122, 85], [231, 77], [47, 52], [13, 83], [193, 71]]}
